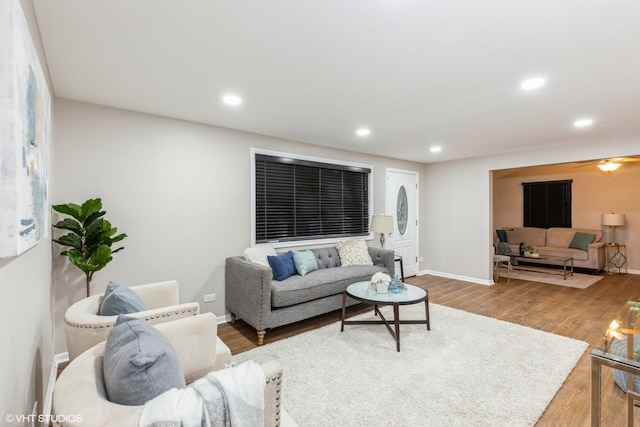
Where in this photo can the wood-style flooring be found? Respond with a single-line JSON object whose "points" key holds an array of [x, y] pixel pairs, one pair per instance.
{"points": [[582, 314]]}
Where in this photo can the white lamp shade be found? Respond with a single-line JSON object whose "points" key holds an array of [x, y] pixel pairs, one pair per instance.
{"points": [[382, 224], [613, 219]]}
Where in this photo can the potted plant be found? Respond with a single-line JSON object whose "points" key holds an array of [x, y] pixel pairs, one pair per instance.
{"points": [[528, 250], [380, 282], [90, 237]]}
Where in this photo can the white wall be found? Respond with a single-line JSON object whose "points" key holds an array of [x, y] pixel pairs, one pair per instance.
{"points": [[25, 313], [459, 225], [180, 190]]}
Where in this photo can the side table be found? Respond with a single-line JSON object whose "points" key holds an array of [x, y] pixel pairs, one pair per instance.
{"points": [[616, 258], [398, 258]]}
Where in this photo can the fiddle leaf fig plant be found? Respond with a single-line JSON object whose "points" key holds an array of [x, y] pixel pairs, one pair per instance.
{"points": [[90, 237]]}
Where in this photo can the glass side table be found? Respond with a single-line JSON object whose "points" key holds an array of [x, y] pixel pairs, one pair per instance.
{"points": [[616, 258], [616, 350]]}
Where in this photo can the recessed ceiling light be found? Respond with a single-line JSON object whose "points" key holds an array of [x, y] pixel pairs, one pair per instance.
{"points": [[583, 123], [363, 132], [232, 100], [435, 149], [533, 84]]}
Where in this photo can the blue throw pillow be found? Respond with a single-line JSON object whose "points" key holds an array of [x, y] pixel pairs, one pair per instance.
{"points": [[139, 363], [305, 262], [119, 299], [502, 235], [282, 265], [582, 240]]}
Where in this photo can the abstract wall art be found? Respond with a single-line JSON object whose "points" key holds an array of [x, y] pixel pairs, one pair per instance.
{"points": [[25, 115]]}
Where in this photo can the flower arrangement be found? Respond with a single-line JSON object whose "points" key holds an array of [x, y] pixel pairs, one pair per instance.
{"points": [[380, 277]]}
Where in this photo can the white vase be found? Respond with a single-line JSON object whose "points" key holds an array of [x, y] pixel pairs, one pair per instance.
{"points": [[382, 288]]}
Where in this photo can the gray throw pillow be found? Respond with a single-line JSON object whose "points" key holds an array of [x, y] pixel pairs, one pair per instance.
{"points": [[139, 363], [119, 299]]}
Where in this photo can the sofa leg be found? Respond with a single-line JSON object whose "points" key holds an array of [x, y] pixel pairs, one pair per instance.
{"points": [[233, 318], [261, 333]]}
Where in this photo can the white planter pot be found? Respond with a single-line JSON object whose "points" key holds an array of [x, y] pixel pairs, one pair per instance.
{"points": [[382, 288]]}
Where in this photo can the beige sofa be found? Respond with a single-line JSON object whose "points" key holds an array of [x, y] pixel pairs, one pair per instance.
{"points": [[555, 241]]}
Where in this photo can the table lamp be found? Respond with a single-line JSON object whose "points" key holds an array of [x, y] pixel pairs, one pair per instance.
{"points": [[613, 220], [382, 224]]}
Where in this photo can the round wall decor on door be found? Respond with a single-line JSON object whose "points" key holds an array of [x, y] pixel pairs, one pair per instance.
{"points": [[402, 211]]}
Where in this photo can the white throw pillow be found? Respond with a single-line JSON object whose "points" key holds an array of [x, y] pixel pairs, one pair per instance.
{"points": [[259, 253], [353, 252]]}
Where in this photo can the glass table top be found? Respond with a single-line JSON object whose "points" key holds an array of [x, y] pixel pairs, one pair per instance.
{"points": [[615, 344], [364, 291]]}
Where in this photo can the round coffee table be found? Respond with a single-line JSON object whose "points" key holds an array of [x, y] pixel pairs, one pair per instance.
{"points": [[363, 292]]}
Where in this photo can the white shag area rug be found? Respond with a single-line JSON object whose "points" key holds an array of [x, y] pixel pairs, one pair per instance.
{"points": [[578, 280], [469, 370]]}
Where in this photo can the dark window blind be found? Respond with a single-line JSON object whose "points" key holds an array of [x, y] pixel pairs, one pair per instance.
{"points": [[547, 204], [303, 200]]}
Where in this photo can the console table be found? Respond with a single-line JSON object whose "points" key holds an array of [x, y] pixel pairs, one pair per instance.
{"points": [[625, 327]]}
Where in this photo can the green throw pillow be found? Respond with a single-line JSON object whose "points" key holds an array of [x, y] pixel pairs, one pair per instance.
{"points": [[581, 240], [502, 235], [305, 262]]}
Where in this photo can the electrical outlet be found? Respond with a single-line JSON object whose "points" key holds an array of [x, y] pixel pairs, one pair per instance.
{"points": [[209, 297]]}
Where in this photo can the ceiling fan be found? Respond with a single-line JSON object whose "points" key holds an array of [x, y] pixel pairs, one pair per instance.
{"points": [[609, 165]]}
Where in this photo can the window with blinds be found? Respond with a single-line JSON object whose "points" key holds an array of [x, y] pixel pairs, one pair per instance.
{"points": [[305, 200], [547, 204]]}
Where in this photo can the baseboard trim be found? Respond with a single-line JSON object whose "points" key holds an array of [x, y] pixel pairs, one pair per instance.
{"points": [[53, 375], [457, 277], [224, 319]]}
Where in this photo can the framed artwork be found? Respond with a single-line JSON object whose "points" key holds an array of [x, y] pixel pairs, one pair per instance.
{"points": [[25, 115]]}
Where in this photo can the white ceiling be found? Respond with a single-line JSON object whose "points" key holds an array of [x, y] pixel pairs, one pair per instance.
{"points": [[416, 72]]}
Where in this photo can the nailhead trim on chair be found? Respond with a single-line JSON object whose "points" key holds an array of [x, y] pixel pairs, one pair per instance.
{"points": [[277, 378], [111, 325]]}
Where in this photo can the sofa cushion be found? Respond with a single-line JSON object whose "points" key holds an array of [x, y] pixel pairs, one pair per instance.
{"points": [[119, 299], [321, 283], [305, 262], [562, 237], [259, 253], [528, 235], [139, 363], [327, 257], [282, 265], [502, 235], [576, 254], [581, 240], [354, 252]]}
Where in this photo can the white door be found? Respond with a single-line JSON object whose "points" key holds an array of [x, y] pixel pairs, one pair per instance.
{"points": [[402, 204]]}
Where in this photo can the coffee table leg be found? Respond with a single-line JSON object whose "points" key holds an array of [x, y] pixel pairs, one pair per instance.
{"points": [[396, 321], [426, 309], [344, 310]]}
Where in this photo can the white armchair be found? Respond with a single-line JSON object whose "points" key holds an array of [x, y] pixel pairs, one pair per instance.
{"points": [[85, 328], [80, 388]]}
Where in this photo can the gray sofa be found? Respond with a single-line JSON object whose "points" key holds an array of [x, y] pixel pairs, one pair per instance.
{"points": [[555, 241], [253, 296]]}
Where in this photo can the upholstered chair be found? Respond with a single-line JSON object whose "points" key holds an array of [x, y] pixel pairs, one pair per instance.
{"points": [[80, 389], [85, 328]]}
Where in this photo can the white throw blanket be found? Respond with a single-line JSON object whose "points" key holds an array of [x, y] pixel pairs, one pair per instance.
{"points": [[232, 397]]}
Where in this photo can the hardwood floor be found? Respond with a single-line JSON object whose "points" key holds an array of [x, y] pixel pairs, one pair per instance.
{"points": [[582, 314]]}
